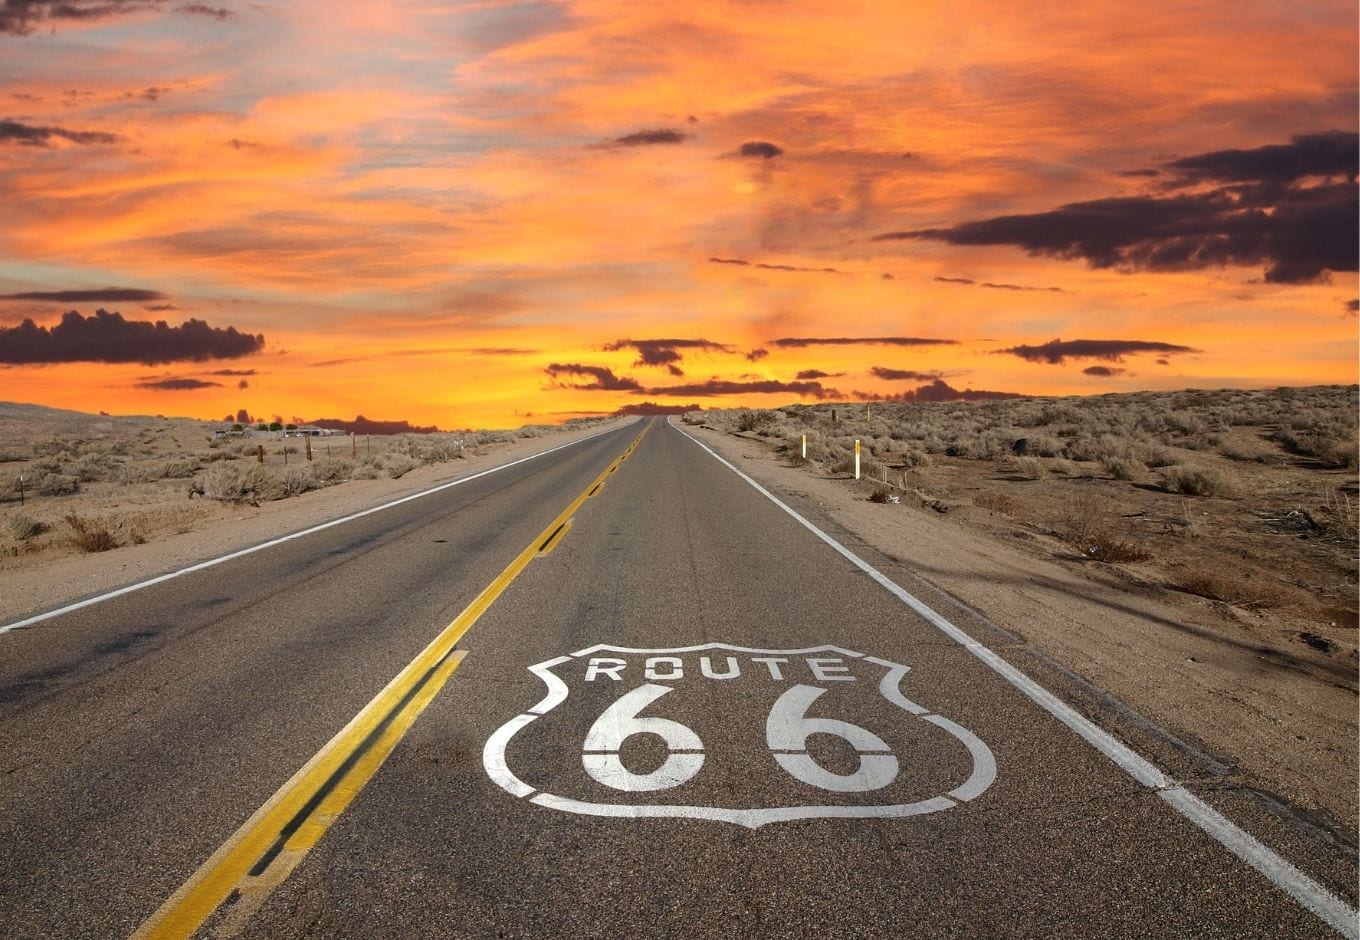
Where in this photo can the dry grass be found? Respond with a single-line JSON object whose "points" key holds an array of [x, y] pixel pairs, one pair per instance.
{"points": [[89, 536]]}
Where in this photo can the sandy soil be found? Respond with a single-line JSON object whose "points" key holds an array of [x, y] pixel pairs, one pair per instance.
{"points": [[1237, 680], [177, 530]]}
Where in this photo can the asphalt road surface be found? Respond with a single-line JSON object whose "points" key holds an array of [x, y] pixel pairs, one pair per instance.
{"points": [[590, 696]]}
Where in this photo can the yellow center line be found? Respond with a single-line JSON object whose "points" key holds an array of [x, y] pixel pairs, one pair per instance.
{"points": [[262, 853]]}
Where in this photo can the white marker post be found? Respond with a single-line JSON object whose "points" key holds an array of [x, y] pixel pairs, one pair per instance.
{"points": [[805, 447], [856, 458]]}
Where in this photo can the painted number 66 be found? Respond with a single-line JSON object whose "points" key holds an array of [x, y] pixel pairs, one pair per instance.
{"points": [[786, 732]]}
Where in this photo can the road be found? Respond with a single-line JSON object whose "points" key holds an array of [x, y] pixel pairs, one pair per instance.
{"points": [[614, 691]]}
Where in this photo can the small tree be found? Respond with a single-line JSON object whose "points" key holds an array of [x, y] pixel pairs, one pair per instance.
{"points": [[275, 426]]}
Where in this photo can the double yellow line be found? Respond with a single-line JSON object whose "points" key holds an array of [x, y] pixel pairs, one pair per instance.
{"points": [[265, 850]]}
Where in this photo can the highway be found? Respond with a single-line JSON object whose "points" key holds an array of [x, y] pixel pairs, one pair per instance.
{"points": [[613, 691]]}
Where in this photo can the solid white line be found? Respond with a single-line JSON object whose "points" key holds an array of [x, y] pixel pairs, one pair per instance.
{"points": [[100, 598], [1339, 915]]}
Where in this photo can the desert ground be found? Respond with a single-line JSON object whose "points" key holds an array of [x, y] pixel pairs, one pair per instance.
{"points": [[1191, 554]]}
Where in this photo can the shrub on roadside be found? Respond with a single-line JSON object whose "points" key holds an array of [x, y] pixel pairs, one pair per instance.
{"points": [[57, 484], [89, 536], [1124, 468], [24, 527], [398, 465], [1197, 481], [327, 471]]}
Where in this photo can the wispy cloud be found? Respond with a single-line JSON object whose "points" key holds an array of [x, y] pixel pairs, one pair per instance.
{"points": [[802, 342]]}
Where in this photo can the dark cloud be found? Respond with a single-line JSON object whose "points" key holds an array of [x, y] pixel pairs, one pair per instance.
{"points": [[809, 374], [663, 352], [1137, 174], [501, 351], [107, 337], [1353, 306], [955, 280], [103, 295], [29, 135], [234, 373], [21, 17], [243, 384], [901, 375], [760, 148], [663, 135], [362, 425], [1257, 214], [802, 342], [938, 391], [176, 385], [202, 9], [1057, 351], [773, 267], [714, 387], [600, 378], [159, 308], [1333, 153], [1104, 372], [757, 354], [652, 408], [327, 363]]}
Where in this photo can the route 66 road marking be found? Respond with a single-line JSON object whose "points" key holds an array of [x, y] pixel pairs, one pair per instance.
{"points": [[798, 680]]}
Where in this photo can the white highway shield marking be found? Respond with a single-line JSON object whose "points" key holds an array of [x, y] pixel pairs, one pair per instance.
{"points": [[783, 698]]}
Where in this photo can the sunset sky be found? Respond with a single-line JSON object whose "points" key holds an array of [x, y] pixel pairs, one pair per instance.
{"points": [[491, 213]]}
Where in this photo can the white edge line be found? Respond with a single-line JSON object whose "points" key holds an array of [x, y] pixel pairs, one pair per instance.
{"points": [[1280, 872], [137, 586]]}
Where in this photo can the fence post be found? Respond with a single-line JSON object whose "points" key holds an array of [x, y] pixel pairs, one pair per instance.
{"points": [[259, 452], [856, 458], [309, 448], [805, 447], [21, 489], [353, 446]]}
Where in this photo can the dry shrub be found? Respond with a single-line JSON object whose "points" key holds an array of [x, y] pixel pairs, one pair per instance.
{"points": [[228, 483], [57, 484], [398, 465], [1124, 468], [1195, 480], [327, 471], [297, 480], [1090, 528], [880, 495], [24, 527], [756, 420], [1239, 592], [1031, 468], [88, 536], [996, 502]]}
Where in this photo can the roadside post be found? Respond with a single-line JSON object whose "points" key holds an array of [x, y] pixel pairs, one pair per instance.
{"points": [[259, 452], [21, 489], [856, 458], [308, 439], [805, 447]]}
